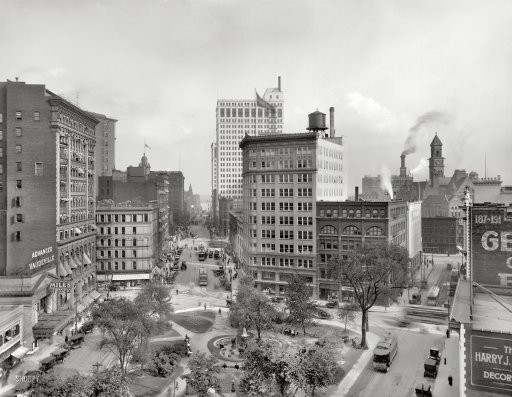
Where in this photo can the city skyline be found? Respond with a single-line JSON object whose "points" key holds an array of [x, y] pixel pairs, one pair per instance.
{"points": [[382, 66]]}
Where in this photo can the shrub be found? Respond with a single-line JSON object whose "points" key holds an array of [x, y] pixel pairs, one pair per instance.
{"points": [[164, 363]]}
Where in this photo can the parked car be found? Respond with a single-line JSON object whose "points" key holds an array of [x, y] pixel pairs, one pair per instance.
{"points": [[47, 363], [87, 327], [322, 314], [114, 287], [332, 304], [60, 354]]}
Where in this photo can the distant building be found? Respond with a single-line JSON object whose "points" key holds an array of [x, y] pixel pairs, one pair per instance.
{"points": [[177, 195], [237, 118], [490, 190], [414, 234], [284, 176], [440, 235], [225, 206], [12, 348], [344, 225], [127, 242], [214, 205], [47, 206]]}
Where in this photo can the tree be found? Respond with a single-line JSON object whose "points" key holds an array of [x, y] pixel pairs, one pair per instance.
{"points": [[299, 302], [124, 325], [204, 374], [313, 369], [348, 312], [158, 299], [372, 270], [252, 308], [111, 382]]}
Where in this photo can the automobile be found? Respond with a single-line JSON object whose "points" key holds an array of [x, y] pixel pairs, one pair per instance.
{"points": [[332, 304], [47, 363], [277, 299], [114, 287], [229, 302], [210, 254], [430, 367], [87, 327], [322, 314], [76, 340], [60, 354]]}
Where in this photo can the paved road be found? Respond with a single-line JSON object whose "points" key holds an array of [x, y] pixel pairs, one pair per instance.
{"points": [[405, 372]]}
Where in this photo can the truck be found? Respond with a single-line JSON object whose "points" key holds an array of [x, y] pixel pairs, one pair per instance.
{"points": [[415, 296], [203, 277], [385, 352]]}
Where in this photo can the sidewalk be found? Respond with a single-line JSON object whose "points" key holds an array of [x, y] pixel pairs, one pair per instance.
{"points": [[451, 353]]}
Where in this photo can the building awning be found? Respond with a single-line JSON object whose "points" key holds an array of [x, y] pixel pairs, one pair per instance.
{"points": [[77, 231], [49, 324], [80, 308], [62, 270], [133, 276], [94, 294], [73, 263], [20, 352], [87, 260], [87, 300], [333, 287]]}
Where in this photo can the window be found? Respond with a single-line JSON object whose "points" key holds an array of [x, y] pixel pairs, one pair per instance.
{"points": [[38, 169], [268, 206], [17, 201], [18, 166], [304, 220], [18, 115], [134, 253], [18, 149], [286, 206], [375, 231], [268, 220], [351, 230], [304, 192], [328, 230], [268, 192], [304, 206], [285, 178], [267, 178], [1, 152], [287, 248], [134, 230], [286, 235], [305, 235], [305, 249], [18, 131], [304, 178], [268, 276], [268, 234], [36, 116], [285, 262], [134, 265], [1, 135], [329, 243], [1, 117], [19, 218], [17, 236], [285, 192], [286, 220], [18, 183]]}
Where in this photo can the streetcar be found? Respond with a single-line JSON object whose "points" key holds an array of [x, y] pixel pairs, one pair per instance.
{"points": [[203, 277], [385, 352], [433, 296]]}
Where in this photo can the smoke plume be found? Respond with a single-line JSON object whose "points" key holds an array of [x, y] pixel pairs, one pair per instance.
{"points": [[433, 117], [385, 181], [422, 165]]}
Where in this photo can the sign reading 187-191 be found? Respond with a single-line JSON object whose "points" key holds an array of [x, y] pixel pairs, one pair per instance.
{"points": [[491, 237], [490, 366]]}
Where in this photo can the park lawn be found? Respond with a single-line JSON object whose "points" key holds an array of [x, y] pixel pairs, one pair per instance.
{"points": [[197, 321], [150, 386]]}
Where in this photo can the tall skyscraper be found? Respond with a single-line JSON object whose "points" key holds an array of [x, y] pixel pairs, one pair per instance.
{"points": [[237, 118], [284, 176]]}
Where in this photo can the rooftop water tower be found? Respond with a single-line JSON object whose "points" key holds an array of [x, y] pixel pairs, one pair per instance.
{"points": [[317, 122]]}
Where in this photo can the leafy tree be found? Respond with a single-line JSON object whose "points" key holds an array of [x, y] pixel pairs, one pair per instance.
{"points": [[252, 308], [111, 382], [164, 363], [348, 312], [124, 325], [299, 302], [204, 374], [313, 369], [372, 270], [142, 355], [156, 296]]}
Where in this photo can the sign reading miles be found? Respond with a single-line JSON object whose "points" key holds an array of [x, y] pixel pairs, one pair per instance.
{"points": [[491, 362], [491, 234]]}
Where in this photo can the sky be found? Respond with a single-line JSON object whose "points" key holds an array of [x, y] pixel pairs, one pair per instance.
{"points": [[158, 67]]}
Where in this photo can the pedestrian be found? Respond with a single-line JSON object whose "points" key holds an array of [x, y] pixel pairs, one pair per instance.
{"points": [[177, 292], [448, 333], [450, 380], [205, 306], [445, 361], [220, 311]]}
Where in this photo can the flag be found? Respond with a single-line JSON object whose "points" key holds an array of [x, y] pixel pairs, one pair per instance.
{"points": [[146, 145], [262, 103]]}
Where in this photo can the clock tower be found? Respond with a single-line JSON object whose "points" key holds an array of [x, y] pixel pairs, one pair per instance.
{"points": [[436, 160]]}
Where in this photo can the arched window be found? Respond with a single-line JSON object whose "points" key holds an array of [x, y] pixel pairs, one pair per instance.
{"points": [[329, 214], [375, 231], [382, 214], [367, 214], [322, 213], [335, 213], [328, 230], [358, 214], [375, 214], [344, 213], [351, 213], [351, 230]]}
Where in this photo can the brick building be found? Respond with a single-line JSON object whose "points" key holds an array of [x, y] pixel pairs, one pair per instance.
{"points": [[441, 235], [47, 206], [342, 226]]}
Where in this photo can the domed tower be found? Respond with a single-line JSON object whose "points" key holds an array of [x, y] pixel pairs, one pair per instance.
{"points": [[436, 160]]}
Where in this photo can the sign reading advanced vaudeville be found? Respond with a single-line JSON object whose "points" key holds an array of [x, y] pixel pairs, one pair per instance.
{"points": [[491, 238], [41, 257], [491, 362]]}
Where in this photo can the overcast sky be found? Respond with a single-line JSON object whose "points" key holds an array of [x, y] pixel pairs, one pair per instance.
{"points": [[159, 67]]}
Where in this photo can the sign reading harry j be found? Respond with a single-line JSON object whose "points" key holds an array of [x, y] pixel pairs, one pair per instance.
{"points": [[491, 234], [490, 362]]}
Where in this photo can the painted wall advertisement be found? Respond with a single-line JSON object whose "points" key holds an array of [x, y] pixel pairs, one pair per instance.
{"points": [[41, 258], [489, 362], [491, 239]]}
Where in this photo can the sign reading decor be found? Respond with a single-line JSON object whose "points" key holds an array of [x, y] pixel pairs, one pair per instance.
{"points": [[41, 257], [491, 234], [60, 286], [489, 359]]}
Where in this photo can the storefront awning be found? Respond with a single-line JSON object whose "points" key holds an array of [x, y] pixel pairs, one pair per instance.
{"points": [[133, 276], [20, 352], [73, 263], [87, 260], [80, 308], [48, 324], [94, 294], [62, 270]]}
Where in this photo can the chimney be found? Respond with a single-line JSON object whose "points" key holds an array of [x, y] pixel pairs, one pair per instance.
{"points": [[356, 197], [332, 131], [279, 83], [403, 170]]}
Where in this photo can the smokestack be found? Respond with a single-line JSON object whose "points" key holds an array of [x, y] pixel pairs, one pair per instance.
{"points": [[356, 196], [279, 83], [403, 170], [331, 122]]}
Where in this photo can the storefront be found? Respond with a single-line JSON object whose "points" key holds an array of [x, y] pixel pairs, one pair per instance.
{"points": [[328, 291], [49, 324]]}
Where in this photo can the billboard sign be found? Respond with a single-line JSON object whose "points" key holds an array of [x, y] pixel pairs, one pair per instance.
{"points": [[489, 362], [491, 246]]}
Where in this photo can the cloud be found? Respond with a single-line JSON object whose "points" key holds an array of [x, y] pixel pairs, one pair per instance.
{"points": [[57, 71]]}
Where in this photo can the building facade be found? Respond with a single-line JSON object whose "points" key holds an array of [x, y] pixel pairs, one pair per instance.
{"points": [[343, 226], [414, 237], [177, 196], [47, 231], [12, 347], [237, 118], [284, 176], [127, 242], [440, 235]]}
